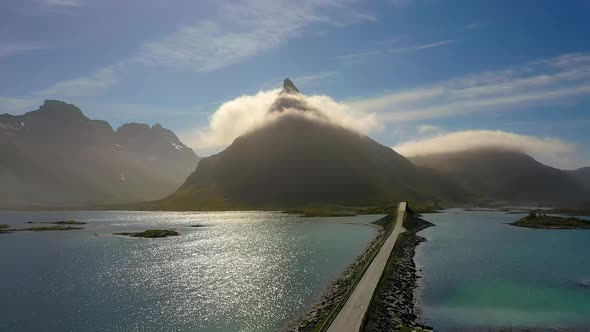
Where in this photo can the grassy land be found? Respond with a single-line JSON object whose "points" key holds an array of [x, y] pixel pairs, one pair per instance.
{"points": [[151, 233], [341, 211], [4, 226], [534, 220], [318, 212], [51, 228]]}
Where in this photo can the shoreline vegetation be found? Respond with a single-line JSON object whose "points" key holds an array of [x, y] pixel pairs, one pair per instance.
{"points": [[349, 211], [540, 220], [151, 233], [5, 229]]}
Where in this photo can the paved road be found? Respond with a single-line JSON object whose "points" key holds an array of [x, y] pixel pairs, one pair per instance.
{"points": [[351, 316]]}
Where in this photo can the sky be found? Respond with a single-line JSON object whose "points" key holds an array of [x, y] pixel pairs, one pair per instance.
{"points": [[420, 76]]}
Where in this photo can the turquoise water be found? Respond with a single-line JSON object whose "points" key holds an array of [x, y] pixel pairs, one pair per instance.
{"points": [[244, 271], [481, 274]]}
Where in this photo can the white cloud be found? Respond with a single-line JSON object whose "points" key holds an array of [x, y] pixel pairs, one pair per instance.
{"points": [[548, 81], [231, 120], [420, 47], [428, 129], [242, 30], [313, 78], [359, 57], [245, 113], [8, 49], [551, 151], [473, 25], [207, 47], [435, 44], [238, 31], [59, 7], [17, 105], [86, 86], [63, 3]]}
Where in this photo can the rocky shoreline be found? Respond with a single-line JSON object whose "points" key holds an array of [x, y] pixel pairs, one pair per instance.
{"points": [[339, 288], [394, 305]]}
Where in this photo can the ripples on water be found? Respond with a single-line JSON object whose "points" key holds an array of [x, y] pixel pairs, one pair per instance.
{"points": [[479, 273], [242, 271]]}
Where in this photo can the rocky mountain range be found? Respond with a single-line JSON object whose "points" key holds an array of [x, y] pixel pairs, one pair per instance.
{"points": [[56, 156]]}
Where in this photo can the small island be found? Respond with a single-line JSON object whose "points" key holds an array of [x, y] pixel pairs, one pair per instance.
{"points": [[62, 222], [5, 229], [151, 233], [50, 228], [536, 219], [63, 225]]}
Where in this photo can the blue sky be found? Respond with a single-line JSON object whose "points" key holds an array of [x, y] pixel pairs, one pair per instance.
{"points": [[422, 69]]}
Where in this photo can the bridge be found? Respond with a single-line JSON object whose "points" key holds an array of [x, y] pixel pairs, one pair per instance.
{"points": [[351, 316]]}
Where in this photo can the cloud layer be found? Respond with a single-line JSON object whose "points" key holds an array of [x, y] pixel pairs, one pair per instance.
{"points": [[551, 151], [235, 32], [246, 113], [543, 82]]}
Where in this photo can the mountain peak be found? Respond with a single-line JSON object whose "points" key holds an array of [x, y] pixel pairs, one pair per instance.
{"points": [[59, 110], [289, 87]]}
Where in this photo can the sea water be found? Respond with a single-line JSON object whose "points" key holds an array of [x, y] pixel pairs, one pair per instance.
{"points": [[239, 271], [480, 273]]}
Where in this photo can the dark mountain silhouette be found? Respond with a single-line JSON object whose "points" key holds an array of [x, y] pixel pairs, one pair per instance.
{"points": [[505, 175], [296, 161], [56, 156], [582, 175]]}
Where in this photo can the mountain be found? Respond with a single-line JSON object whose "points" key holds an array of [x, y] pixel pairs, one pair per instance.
{"points": [[582, 175], [506, 175], [296, 160], [56, 156]]}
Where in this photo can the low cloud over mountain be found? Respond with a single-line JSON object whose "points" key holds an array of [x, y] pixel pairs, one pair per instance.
{"points": [[552, 151], [246, 113]]}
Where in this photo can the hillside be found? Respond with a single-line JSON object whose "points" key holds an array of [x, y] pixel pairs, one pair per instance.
{"points": [[298, 161], [56, 156], [582, 175], [505, 175]]}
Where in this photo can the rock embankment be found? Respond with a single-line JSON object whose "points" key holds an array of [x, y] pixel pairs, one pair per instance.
{"points": [[394, 304], [336, 292]]}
